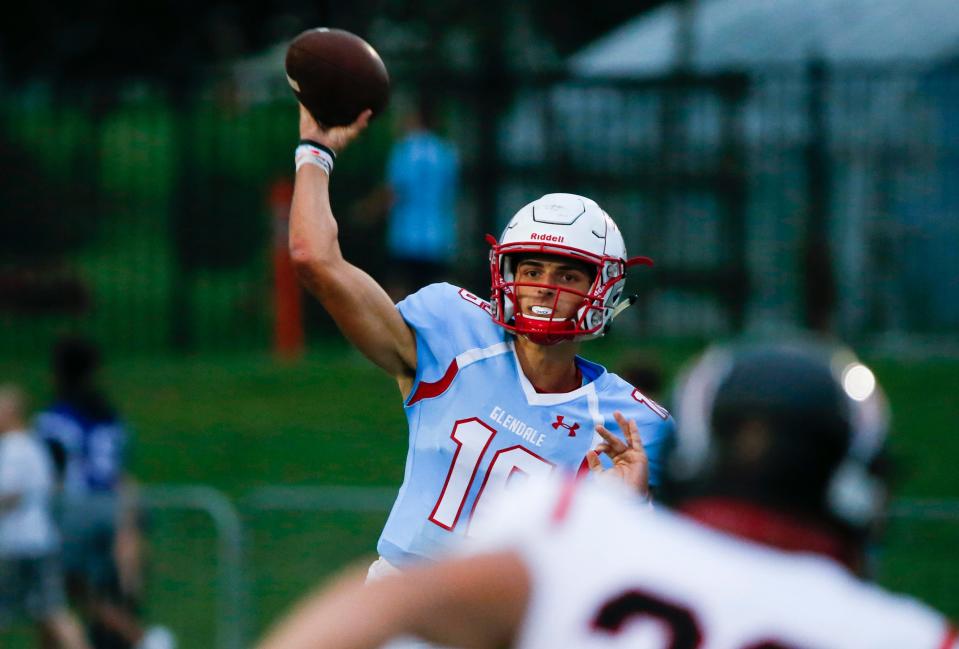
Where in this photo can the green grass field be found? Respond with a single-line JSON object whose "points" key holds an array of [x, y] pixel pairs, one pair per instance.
{"points": [[241, 421]]}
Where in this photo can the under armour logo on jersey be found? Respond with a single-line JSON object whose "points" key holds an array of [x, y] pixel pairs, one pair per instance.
{"points": [[559, 423]]}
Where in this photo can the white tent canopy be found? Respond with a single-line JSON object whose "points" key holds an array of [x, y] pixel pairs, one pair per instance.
{"points": [[749, 33]]}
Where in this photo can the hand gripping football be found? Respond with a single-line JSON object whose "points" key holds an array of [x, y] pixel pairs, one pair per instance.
{"points": [[336, 75]]}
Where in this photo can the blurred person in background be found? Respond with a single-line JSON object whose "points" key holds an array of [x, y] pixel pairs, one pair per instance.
{"points": [[31, 577], [777, 481], [100, 517], [494, 392], [419, 202]]}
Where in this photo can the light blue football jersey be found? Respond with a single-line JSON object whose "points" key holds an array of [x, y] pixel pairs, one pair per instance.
{"points": [[477, 424]]}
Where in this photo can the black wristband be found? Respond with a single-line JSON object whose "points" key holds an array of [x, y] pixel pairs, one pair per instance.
{"points": [[321, 147]]}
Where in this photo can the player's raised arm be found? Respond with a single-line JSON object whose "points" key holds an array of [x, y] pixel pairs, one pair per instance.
{"points": [[361, 308]]}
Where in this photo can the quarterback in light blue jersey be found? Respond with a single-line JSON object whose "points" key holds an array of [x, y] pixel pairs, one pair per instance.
{"points": [[477, 422], [494, 391]]}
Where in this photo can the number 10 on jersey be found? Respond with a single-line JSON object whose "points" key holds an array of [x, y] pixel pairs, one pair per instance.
{"points": [[473, 438]]}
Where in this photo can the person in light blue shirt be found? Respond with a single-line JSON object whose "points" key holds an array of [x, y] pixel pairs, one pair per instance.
{"points": [[495, 391], [421, 177]]}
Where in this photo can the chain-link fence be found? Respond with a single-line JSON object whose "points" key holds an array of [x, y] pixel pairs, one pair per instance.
{"points": [[220, 571], [301, 534], [807, 196]]}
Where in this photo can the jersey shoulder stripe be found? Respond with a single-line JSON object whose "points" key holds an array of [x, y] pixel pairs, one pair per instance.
{"points": [[447, 321], [431, 389]]}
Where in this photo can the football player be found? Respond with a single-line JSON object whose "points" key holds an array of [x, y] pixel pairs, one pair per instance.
{"points": [[493, 390], [100, 520], [777, 480]]}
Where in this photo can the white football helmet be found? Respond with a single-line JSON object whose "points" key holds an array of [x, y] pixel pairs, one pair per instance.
{"points": [[573, 227]]}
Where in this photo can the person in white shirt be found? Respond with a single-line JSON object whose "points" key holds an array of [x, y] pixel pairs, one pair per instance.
{"points": [[777, 481], [31, 581]]}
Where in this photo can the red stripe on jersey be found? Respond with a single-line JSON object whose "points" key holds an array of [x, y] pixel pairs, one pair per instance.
{"points": [[426, 390], [952, 634], [583, 468], [763, 525], [561, 508]]}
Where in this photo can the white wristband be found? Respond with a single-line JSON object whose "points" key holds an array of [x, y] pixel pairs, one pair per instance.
{"points": [[313, 153]]}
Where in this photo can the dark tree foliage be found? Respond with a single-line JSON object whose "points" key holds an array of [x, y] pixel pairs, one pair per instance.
{"points": [[172, 40], [75, 43], [219, 222], [41, 217]]}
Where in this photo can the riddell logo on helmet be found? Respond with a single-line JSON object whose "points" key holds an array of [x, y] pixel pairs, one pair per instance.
{"points": [[556, 238]]}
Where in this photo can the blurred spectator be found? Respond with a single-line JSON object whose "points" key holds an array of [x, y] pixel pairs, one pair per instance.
{"points": [[419, 196], [31, 579], [103, 543]]}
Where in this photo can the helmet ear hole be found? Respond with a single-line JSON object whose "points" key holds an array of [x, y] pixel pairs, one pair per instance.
{"points": [[854, 495], [508, 267], [596, 319]]}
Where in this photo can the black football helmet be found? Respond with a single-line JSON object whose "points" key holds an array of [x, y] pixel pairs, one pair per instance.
{"points": [[795, 426]]}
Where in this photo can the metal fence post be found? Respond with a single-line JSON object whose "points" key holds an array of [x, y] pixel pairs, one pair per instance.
{"points": [[232, 603]]}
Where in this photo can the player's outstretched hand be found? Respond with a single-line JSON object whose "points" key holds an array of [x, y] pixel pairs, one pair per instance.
{"points": [[335, 137], [629, 458]]}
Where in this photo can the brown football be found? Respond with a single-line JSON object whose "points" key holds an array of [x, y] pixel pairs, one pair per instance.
{"points": [[336, 75]]}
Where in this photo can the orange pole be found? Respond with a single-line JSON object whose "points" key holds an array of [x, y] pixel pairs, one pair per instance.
{"points": [[288, 339]]}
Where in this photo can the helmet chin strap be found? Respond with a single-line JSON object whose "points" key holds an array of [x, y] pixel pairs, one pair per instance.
{"points": [[622, 305]]}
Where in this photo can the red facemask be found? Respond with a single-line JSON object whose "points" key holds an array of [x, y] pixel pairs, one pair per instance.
{"points": [[589, 319], [546, 329]]}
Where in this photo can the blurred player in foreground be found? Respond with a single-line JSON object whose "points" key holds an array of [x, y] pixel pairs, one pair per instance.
{"points": [[103, 542], [777, 481], [494, 391], [31, 579]]}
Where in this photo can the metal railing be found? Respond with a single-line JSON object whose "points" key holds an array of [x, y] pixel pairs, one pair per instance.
{"points": [[234, 605]]}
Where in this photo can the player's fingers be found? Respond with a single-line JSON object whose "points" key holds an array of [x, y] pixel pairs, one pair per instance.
{"points": [[624, 426], [362, 120], [632, 434], [592, 460], [308, 125], [616, 445], [630, 431]]}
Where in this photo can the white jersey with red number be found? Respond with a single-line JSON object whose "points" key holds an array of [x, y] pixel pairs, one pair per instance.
{"points": [[608, 571]]}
